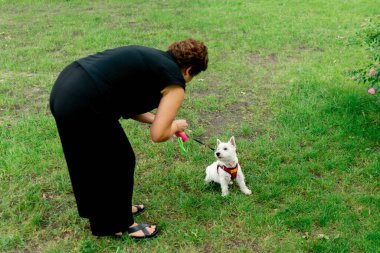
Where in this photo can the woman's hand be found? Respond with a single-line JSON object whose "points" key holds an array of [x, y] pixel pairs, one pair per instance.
{"points": [[179, 125]]}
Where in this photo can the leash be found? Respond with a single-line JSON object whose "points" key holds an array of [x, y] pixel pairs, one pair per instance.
{"points": [[182, 137], [213, 149]]}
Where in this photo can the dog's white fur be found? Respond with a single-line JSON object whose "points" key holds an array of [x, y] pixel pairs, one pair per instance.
{"points": [[225, 154]]}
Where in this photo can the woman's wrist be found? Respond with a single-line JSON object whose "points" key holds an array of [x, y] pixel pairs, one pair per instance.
{"points": [[175, 128]]}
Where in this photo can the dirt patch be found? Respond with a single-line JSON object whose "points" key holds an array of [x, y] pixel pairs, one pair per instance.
{"points": [[23, 100], [227, 121], [77, 33], [5, 36], [247, 110], [132, 24], [222, 57], [310, 49], [249, 244], [263, 61]]}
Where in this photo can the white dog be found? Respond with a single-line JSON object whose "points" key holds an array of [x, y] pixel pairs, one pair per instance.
{"points": [[226, 168]]}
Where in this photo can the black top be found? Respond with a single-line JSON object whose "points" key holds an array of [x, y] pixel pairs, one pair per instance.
{"points": [[130, 78]]}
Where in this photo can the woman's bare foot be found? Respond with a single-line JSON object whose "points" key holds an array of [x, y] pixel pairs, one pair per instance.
{"points": [[151, 229], [135, 209]]}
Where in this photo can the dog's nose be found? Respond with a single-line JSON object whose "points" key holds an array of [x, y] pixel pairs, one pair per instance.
{"points": [[217, 154]]}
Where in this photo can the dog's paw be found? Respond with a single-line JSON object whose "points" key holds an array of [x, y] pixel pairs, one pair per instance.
{"points": [[224, 194], [247, 192], [207, 180]]}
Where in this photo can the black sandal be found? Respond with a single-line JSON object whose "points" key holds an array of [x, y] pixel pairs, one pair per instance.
{"points": [[142, 227], [139, 211]]}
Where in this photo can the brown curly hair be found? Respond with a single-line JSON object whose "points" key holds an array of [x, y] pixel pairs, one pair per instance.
{"points": [[190, 53]]}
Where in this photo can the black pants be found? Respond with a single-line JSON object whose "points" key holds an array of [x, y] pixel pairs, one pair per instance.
{"points": [[98, 154]]}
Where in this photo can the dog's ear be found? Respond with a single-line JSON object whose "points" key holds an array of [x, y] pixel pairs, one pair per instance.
{"points": [[218, 142], [232, 141]]}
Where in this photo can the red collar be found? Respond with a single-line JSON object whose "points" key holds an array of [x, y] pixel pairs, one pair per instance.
{"points": [[231, 171]]}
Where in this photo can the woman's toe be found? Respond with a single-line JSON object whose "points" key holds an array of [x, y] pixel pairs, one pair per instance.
{"points": [[140, 233], [137, 208]]}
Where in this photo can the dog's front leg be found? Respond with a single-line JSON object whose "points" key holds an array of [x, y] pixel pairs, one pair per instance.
{"points": [[208, 179], [224, 185], [241, 182]]}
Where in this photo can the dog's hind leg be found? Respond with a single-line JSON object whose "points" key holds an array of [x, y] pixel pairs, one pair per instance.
{"points": [[240, 181], [208, 178]]}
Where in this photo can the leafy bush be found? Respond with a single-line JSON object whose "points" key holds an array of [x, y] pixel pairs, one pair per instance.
{"points": [[369, 36]]}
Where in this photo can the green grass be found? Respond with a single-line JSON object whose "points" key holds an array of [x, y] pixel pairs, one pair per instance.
{"points": [[308, 138]]}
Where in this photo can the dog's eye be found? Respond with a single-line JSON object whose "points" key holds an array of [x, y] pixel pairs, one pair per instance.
{"points": [[225, 148]]}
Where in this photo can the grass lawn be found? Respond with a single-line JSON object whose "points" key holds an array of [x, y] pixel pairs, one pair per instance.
{"points": [[307, 136]]}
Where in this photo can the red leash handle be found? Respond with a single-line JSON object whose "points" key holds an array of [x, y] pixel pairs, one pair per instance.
{"points": [[182, 135]]}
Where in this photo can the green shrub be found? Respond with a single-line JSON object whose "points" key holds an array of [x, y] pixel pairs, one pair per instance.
{"points": [[369, 37]]}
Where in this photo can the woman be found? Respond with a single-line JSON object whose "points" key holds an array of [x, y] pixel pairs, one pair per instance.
{"points": [[87, 101]]}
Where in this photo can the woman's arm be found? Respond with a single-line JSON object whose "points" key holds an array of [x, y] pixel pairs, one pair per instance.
{"points": [[145, 117], [164, 126]]}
